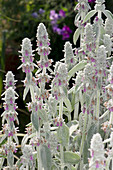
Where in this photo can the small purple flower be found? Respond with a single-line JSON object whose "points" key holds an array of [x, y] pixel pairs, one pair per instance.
{"points": [[57, 123], [10, 134], [97, 164], [41, 11], [31, 157], [53, 15], [48, 145], [61, 123], [93, 1], [62, 13], [92, 154], [34, 15], [66, 31]]}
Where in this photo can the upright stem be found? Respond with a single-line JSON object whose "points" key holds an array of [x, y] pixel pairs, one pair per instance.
{"points": [[83, 135], [98, 39], [98, 108], [61, 147], [111, 118], [61, 108], [76, 107]]}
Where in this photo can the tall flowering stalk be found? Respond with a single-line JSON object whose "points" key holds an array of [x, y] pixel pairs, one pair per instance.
{"points": [[69, 123], [9, 117]]}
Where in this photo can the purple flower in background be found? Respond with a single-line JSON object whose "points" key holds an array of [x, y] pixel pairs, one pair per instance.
{"points": [[34, 15], [91, 1], [62, 13], [53, 15], [66, 31], [41, 11]]}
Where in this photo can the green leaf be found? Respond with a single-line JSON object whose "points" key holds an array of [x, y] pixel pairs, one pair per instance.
{"points": [[25, 92], [42, 114], [92, 130], [71, 157], [45, 154], [32, 93], [68, 104], [35, 120], [76, 68], [72, 129], [89, 15], [109, 15], [63, 134], [76, 35]]}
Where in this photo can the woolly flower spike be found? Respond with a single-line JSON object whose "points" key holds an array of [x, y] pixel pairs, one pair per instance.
{"points": [[27, 56], [109, 27], [97, 160], [60, 80], [69, 56], [101, 61], [10, 82], [108, 43], [43, 46], [27, 159], [89, 33], [82, 6], [60, 75], [89, 37], [10, 99]]}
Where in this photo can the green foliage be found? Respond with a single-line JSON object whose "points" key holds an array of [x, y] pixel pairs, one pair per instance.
{"points": [[45, 157], [63, 135]]}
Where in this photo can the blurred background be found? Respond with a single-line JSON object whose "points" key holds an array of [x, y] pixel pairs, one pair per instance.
{"points": [[19, 19]]}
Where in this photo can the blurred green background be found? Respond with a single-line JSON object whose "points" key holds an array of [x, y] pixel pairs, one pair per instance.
{"points": [[19, 19]]}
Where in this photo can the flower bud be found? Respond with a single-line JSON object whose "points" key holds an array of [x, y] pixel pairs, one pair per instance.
{"points": [[27, 56], [97, 159], [43, 46], [109, 27], [10, 82], [69, 56]]}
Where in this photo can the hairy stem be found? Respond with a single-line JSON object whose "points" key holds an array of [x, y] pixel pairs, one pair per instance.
{"points": [[61, 147], [83, 135], [98, 108]]}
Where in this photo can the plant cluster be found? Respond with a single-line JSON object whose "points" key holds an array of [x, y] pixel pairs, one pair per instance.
{"points": [[71, 123]]}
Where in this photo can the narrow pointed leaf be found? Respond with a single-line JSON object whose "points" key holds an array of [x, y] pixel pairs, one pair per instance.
{"points": [[76, 36], [32, 93], [76, 68], [25, 92], [68, 104], [109, 15], [35, 120], [89, 15]]}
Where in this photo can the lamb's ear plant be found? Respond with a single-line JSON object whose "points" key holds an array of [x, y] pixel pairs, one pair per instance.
{"points": [[70, 128]]}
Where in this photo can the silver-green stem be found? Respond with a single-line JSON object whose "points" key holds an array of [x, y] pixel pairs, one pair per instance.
{"points": [[111, 118], [61, 147], [98, 39], [76, 107], [83, 135], [98, 108]]}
